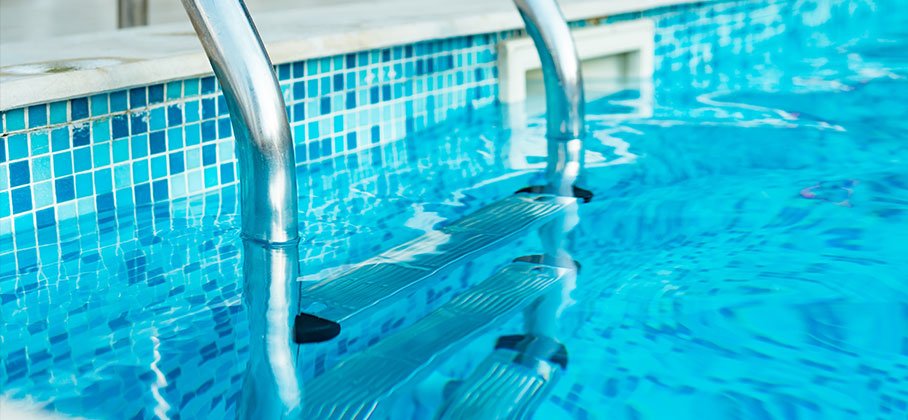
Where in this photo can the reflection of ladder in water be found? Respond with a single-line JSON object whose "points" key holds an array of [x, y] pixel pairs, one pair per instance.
{"points": [[521, 370]]}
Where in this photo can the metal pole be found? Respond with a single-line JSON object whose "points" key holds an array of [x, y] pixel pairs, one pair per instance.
{"points": [[132, 13], [564, 133], [268, 200], [563, 92]]}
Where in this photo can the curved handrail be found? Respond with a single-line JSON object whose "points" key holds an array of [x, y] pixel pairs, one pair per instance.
{"points": [[268, 202], [563, 92], [265, 147]]}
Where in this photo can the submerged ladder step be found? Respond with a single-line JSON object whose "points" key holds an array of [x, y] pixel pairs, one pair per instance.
{"points": [[328, 304], [511, 382], [356, 386]]}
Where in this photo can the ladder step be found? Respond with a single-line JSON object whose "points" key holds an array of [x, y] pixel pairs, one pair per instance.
{"points": [[357, 385], [328, 304], [510, 383]]}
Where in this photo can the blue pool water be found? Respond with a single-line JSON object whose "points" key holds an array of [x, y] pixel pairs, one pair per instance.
{"points": [[745, 255]]}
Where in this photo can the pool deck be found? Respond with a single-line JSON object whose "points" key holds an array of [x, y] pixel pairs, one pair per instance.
{"points": [[50, 69]]}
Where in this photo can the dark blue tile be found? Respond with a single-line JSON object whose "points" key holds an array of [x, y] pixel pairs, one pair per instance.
{"points": [[386, 93], [209, 154], [479, 75], [283, 71], [325, 105], [420, 67], [159, 189], [299, 69], [78, 108], [2, 149], [81, 135], [208, 109], [209, 130], [300, 151], [19, 173], [299, 90], [142, 194], [299, 111], [222, 105], [408, 51], [138, 124], [326, 147], [37, 116], [176, 163], [350, 61], [351, 100], [224, 128], [156, 94], [386, 54], [157, 142], [351, 140], [338, 82], [174, 116], [65, 189], [119, 126], [207, 84], [227, 173], [314, 152], [137, 97], [45, 218], [22, 199], [376, 134], [105, 201], [118, 101], [373, 94]]}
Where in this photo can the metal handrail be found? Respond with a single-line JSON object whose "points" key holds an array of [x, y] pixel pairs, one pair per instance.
{"points": [[268, 201], [563, 92]]}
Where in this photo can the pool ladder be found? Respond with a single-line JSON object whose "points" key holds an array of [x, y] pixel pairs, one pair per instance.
{"points": [[283, 315]]}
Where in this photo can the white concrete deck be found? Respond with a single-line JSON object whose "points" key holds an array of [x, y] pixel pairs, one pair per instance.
{"points": [[43, 70]]}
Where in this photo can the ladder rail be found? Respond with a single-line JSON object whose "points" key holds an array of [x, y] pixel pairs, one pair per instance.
{"points": [[268, 202]]}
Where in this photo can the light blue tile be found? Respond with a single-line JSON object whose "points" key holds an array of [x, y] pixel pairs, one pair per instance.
{"points": [[41, 169], [103, 181], [158, 167], [101, 154], [174, 138], [193, 134], [120, 150], [122, 176], [15, 119], [140, 171], [99, 105], [100, 130], [17, 146], [43, 194], [40, 142], [84, 185], [59, 111]]}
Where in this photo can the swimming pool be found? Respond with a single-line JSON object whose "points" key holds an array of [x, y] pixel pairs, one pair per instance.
{"points": [[744, 256]]}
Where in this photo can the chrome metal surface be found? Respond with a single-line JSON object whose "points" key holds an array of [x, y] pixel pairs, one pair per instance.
{"points": [[563, 92], [257, 112], [132, 13], [267, 199], [395, 272], [405, 357]]}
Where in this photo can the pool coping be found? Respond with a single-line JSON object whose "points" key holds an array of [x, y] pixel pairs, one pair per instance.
{"points": [[81, 65]]}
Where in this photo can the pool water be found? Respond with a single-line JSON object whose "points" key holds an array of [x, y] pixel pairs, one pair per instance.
{"points": [[745, 256]]}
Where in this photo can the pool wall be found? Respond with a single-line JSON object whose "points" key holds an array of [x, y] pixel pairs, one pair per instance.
{"points": [[154, 143]]}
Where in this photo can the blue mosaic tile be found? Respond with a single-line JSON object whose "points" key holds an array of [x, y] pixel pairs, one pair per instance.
{"points": [[78, 108]]}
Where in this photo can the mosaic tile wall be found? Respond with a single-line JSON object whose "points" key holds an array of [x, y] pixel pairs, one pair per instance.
{"points": [[153, 143]]}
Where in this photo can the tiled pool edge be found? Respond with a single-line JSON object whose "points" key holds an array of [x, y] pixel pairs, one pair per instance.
{"points": [[154, 143]]}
